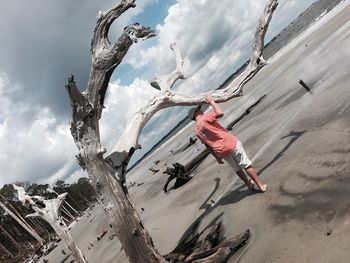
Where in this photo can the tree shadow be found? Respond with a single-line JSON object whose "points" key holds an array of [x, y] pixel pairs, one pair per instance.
{"points": [[327, 199], [206, 204], [294, 136], [192, 232]]}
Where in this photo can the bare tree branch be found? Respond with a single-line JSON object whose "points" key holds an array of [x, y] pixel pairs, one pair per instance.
{"points": [[108, 174], [107, 59], [165, 85], [104, 22]]}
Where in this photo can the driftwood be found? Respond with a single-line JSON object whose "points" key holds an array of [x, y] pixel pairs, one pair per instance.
{"points": [[108, 173], [305, 86], [153, 170], [177, 172], [211, 249], [49, 210], [247, 111]]}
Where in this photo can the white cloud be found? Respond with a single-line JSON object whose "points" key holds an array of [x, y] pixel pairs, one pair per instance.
{"points": [[34, 145], [121, 103], [207, 29]]}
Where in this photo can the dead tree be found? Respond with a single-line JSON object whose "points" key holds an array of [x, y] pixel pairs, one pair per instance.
{"points": [[108, 173], [30, 230], [49, 210]]}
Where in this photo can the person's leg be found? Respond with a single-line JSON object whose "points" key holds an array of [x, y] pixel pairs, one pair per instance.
{"points": [[244, 162], [252, 174], [241, 174], [239, 171]]}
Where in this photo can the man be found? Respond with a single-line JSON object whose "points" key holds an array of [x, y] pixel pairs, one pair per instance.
{"points": [[222, 144]]}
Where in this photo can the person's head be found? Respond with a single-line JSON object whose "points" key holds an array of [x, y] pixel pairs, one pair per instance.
{"points": [[194, 112]]}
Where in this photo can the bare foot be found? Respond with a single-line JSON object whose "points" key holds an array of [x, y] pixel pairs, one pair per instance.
{"points": [[263, 188]]}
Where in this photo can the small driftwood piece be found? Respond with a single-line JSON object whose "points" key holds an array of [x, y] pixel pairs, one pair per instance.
{"points": [[305, 86], [178, 172]]}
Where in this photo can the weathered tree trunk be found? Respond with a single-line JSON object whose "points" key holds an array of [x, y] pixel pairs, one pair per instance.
{"points": [[50, 213], [49, 210], [72, 208], [62, 230], [19, 221], [108, 174], [18, 215], [67, 213], [76, 203]]}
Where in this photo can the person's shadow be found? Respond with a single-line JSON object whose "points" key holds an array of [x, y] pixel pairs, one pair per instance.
{"points": [[294, 136]]}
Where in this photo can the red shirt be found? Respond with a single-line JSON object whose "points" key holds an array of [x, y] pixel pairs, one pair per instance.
{"points": [[211, 133]]}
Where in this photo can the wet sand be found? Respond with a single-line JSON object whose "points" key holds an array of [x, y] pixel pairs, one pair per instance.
{"points": [[300, 145]]}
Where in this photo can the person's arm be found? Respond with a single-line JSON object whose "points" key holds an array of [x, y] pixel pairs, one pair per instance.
{"points": [[218, 112], [218, 159]]}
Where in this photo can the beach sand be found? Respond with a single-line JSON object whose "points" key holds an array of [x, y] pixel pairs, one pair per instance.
{"points": [[300, 145]]}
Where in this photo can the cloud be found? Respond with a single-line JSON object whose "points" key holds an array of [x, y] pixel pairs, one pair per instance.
{"points": [[39, 148], [40, 47], [44, 41], [214, 38], [121, 103]]}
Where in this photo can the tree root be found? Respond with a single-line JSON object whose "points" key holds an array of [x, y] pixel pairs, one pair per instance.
{"points": [[210, 250]]}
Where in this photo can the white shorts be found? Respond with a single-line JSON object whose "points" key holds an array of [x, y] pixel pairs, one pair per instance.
{"points": [[238, 159]]}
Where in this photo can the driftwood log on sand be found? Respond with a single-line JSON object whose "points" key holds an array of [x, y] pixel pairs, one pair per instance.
{"points": [[178, 172], [213, 248]]}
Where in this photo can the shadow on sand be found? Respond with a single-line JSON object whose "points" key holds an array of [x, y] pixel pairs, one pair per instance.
{"points": [[192, 233], [320, 198], [214, 247], [294, 136]]}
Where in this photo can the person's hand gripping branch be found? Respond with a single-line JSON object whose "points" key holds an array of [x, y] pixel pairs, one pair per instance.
{"points": [[209, 99]]}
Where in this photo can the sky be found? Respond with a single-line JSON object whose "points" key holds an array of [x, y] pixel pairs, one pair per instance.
{"points": [[44, 41]]}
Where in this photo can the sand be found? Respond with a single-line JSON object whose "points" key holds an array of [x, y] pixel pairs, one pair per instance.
{"points": [[300, 145]]}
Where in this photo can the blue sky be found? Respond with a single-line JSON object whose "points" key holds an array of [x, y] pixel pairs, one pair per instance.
{"points": [[42, 42]]}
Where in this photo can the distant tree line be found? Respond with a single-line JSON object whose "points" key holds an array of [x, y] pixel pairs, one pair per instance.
{"points": [[15, 242]]}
